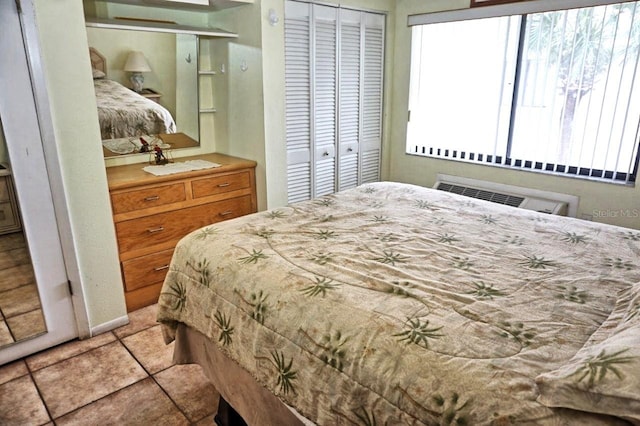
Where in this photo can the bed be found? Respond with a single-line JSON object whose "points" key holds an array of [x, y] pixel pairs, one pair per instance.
{"points": [[122, 112], [394, 304]]}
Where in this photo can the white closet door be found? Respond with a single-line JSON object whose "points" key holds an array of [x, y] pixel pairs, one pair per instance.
{"points": [[334, 62], [324, 92], [349, 102], [297, 33], [371, 139]]}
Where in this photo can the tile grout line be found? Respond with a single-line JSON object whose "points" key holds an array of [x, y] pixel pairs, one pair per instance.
{"points": [[13, 337], [33, 379], [22, 313], [39, 332], [70, 357], [31, 372], [35, 384], [99, 399], [152, 376], [118, 340]]}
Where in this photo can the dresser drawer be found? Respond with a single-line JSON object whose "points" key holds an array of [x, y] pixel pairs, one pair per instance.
{"points": [[7, 217], [146, 270], [220, 184], [162, 228], [4, 188], [123, 202]]}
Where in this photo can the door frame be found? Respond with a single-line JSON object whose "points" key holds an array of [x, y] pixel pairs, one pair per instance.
{"points": [[26, 117]]}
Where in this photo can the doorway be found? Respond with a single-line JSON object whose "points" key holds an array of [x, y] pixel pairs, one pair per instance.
{"points": [[24, 153]]}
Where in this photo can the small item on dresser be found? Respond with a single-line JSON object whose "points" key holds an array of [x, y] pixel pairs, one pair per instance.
{"points": [[159, 156], [145, 145], [186, 166], [133, 144]]}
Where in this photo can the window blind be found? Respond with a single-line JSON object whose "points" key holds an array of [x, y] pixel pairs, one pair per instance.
{"points": [[570, 84]]}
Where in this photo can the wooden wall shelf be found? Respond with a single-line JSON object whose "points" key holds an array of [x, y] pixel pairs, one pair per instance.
{"points": [[156, 26]]}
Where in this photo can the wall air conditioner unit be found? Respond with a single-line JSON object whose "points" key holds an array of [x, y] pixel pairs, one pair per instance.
{"points": [[515, 196]]}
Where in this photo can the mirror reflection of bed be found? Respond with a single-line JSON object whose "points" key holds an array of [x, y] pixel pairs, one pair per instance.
{"points": [[165, 112]]}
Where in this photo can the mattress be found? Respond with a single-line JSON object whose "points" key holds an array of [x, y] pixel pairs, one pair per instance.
{"points": [[396, 304], [124, 113]]}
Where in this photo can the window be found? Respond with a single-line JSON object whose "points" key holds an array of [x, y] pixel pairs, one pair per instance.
{"points": [[555, 91]]}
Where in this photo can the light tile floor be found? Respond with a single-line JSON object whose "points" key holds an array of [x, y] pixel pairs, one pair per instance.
{"points": [[20, 311], [124, 377]]}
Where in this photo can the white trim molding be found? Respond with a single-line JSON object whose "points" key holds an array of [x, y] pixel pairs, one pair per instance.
{"points": [[519, 8], [109, 325]]}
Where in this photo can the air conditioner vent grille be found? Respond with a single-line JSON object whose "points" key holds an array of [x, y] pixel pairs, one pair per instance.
{"points": [[494, 197]]}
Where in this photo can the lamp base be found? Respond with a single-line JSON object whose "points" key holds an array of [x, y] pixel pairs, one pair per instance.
{"points": [[137, 81]]}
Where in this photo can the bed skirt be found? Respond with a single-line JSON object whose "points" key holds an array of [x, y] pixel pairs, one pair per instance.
{"points": [[254, 403]]}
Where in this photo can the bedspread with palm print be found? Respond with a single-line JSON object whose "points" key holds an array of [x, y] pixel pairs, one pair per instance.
{"points": [[394, 304], [122, 113]]}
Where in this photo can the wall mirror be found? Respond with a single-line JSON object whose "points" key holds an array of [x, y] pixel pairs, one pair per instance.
{"points": [[21, 315], [165, 111]]}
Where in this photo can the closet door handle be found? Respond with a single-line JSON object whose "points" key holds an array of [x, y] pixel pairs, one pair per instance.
{"points": [[152, 198], [155, 230], [349, 149]]}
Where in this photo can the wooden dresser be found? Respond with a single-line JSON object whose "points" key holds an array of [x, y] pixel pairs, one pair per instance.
{"points": [[152, 213]]}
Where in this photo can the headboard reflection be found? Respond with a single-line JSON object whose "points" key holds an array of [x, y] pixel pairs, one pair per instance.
{"points": [[125, 116], [98, 61]]}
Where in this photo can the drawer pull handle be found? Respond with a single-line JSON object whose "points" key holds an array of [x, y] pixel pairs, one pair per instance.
{"points": [[161, 268], [226, 213], [154, 230], [223, 185], [152, 198]]}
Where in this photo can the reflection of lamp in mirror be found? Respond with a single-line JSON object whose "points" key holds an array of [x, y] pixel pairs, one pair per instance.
{"points": [[137, 64]]}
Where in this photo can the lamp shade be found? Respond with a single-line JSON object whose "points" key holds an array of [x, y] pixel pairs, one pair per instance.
{"points": [[136, 62]]}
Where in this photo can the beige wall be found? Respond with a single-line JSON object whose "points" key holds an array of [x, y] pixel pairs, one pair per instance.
{"points": [[238, 94], [273, 86], [614, 204], [75, 121]]}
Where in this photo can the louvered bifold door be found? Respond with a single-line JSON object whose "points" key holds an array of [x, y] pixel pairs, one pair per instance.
{"points": [[333, 80], [298, 100], [372, 81], [324, 69], [349, 77]]}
